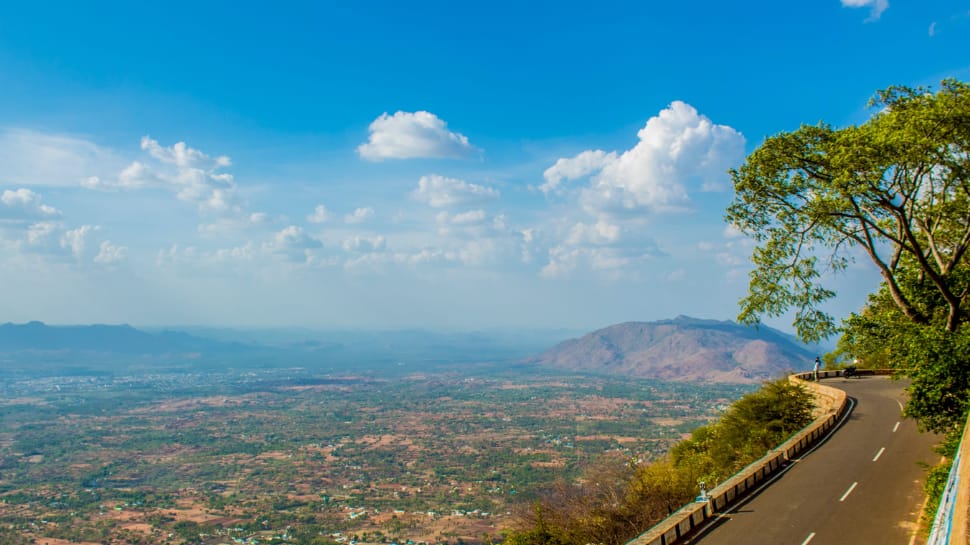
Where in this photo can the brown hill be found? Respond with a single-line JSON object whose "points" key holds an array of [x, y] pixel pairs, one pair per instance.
{"points": [[682, 349]]}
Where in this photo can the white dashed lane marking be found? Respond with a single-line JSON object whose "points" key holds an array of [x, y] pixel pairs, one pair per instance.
{"points": [[849, 491], [896, 427], [878, 454], [810, 537]]}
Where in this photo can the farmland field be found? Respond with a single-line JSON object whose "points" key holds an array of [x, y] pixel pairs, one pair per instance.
{"points": [[435, 455]]}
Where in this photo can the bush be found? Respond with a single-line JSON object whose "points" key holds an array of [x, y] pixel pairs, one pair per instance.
{"points": [[615, 501]]}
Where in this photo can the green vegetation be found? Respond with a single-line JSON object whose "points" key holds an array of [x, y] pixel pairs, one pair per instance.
{"points": [[614, 502], [897, 190]]}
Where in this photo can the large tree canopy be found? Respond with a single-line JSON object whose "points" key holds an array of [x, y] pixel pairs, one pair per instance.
{"points": [[894, 189]]}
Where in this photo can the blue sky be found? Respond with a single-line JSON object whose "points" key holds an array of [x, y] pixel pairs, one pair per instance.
{"points": [[449, 165]]}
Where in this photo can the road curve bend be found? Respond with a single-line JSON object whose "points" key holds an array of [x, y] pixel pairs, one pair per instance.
{"points": [[862, 485]]}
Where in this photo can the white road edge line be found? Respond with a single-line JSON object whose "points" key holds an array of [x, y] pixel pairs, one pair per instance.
{"points": [[810, 537], [878, 454], [896, 427], [849, 491], [900, 403]]}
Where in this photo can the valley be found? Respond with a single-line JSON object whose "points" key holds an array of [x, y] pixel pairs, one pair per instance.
{"points": [[432, 454]]}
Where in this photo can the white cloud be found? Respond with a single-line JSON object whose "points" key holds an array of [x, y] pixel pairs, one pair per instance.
{"points": [[193, 256], [364, 244], [39, 233], [30, 158], [136, 175], [730, 231], [876, 7], [439, 191], [471, 217], [194, 176], [466, 218], [181, 155], [75, 240], [579, 166], [407, 135], [133, 176], [732, 252], [678, 152], [109, 253], [245, 252], [235, 225], [564, 259], [598, 234], [320, 214], [932, 29], [378, 261], [677, 149], [600, 247], [24, 204], [359, 215], [293, 243]]}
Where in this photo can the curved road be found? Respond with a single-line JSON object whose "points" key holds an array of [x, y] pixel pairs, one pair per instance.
{"points": [[863, 485]]}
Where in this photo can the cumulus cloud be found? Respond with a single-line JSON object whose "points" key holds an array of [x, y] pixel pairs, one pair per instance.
{"points": [[579, 166], [876, 7], [75, 240], [109, 253], [471, 224], [677, 149], [678, 152], [364, 244], [564, 259], [181, 155], [601, 246], [597, 234], [24, 204], [294, 244], [52, 239], [471, 217], [411, 135], [320, 214], [39, 233], [439, 192], [359, 215], [194, 176]]}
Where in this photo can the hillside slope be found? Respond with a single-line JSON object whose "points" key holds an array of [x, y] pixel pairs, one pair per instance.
{"points": [[683, 349]]}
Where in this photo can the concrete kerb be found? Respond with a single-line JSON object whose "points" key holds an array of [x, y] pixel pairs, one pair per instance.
{"points": [[832, 404]]}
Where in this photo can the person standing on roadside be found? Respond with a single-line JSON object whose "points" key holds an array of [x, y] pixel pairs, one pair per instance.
{"points": [[818, 363]]}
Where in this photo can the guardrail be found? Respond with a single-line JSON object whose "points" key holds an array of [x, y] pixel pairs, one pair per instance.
{"points": [[831, 404], [950, 522]]}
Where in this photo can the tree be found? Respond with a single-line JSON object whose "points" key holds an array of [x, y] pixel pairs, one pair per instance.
{"points": [[934, 358], [895, 189]]}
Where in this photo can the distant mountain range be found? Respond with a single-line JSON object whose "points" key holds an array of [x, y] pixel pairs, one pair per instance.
{"points": [[115, 339], [682, 349], [36, 347]]}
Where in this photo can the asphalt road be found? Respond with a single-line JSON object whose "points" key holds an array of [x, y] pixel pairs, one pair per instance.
{"points": [[863, 485]]}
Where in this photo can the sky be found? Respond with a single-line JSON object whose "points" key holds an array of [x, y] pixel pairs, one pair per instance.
{"points": [[442, 165]]}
